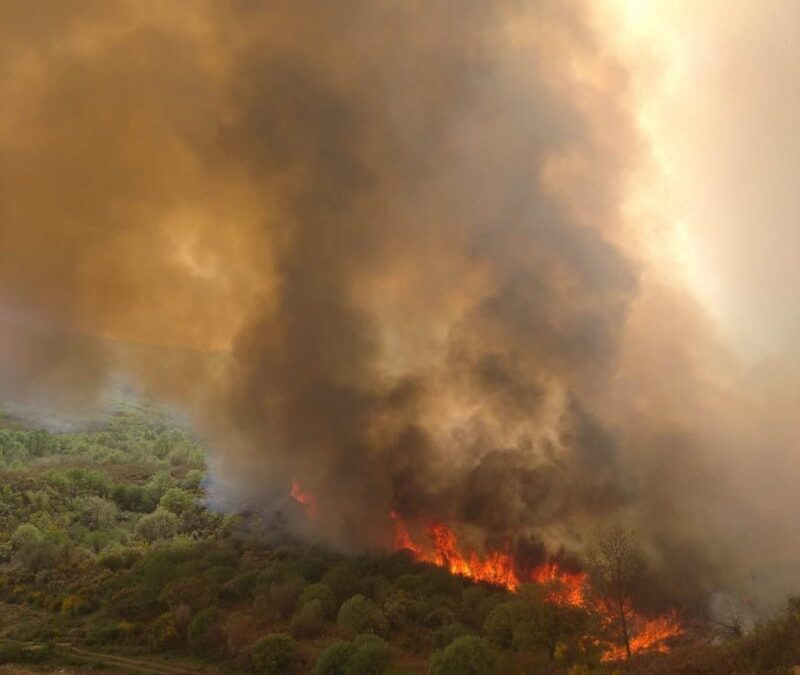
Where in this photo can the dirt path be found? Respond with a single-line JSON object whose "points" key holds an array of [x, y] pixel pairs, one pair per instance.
{"points": [[128, 663]]}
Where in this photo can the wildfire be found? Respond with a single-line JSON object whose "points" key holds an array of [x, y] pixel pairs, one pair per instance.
{"points": [[496, 568], [563, 588], [306, 499], [647, 635]]}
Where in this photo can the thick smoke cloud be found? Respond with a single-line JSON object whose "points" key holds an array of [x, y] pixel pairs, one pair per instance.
{"points": [[376, 247]]}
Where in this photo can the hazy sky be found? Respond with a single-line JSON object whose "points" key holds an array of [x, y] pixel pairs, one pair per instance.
{"points": [[718, 97]]}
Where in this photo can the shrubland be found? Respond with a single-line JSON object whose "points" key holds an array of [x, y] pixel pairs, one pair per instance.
{"points": [[107, 541]]}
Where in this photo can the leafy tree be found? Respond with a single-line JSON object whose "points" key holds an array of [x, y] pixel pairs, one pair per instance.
{"points": [[194, 592], [206, 632], [165, 634], [160, 524], [307, 621], [371, 657], [616, 570], [342, 580], [274, 654], [360, 614], [284, 593], [322, 594], [176, 501], [334, 659], [25, 535], [94, 512]]}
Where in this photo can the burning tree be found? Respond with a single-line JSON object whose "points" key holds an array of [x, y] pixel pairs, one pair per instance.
{"points": [[616, 570]]}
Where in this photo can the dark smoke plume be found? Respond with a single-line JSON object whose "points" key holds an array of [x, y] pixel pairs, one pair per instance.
{"points": [[377, 247]]}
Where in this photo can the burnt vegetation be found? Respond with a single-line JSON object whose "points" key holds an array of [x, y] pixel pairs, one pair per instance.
{"points": [[107, 543]]}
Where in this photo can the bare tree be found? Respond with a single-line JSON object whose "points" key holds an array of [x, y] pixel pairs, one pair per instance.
{"points": [[616, 570]]}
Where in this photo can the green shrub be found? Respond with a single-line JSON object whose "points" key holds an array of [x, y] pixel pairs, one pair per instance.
{"points": [[176, 501], [206, 632], [366, 655], [468, 655], [360, 615], [446, 634], [165, 633], [307, 621], [239, 587], [371, 657], [116, 559], [274, 654], [194, 592], [160, 524], [334, 659], [498, 626], [322, 594], [284, 594], [342, 580]]}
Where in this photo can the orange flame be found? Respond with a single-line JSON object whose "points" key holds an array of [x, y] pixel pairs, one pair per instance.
{"points": [[647, 635], [563, 588], [306, 499], [496, 568]]}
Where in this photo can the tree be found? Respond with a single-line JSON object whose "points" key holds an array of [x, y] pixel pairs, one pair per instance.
{"points": [[176, 501], [307, 620], [359, 615], [616, 571], [283, 593], [368, 654], [94, 512], [321, 593], [206, 631], [160, 524], [274, 654]]}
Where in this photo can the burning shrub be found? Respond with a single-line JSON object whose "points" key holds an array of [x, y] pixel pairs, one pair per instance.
{"points": [[468, 655], [274, 654], [360, 615]]}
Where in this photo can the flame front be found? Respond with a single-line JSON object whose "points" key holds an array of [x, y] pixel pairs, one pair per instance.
{"points": [[563, 588], [647, 635], [496, 568]]}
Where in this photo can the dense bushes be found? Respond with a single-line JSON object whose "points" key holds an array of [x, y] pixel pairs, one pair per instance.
{"points": [[468, 655], [360, 614], [274, 654], [366, 655], [105, 536]]}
